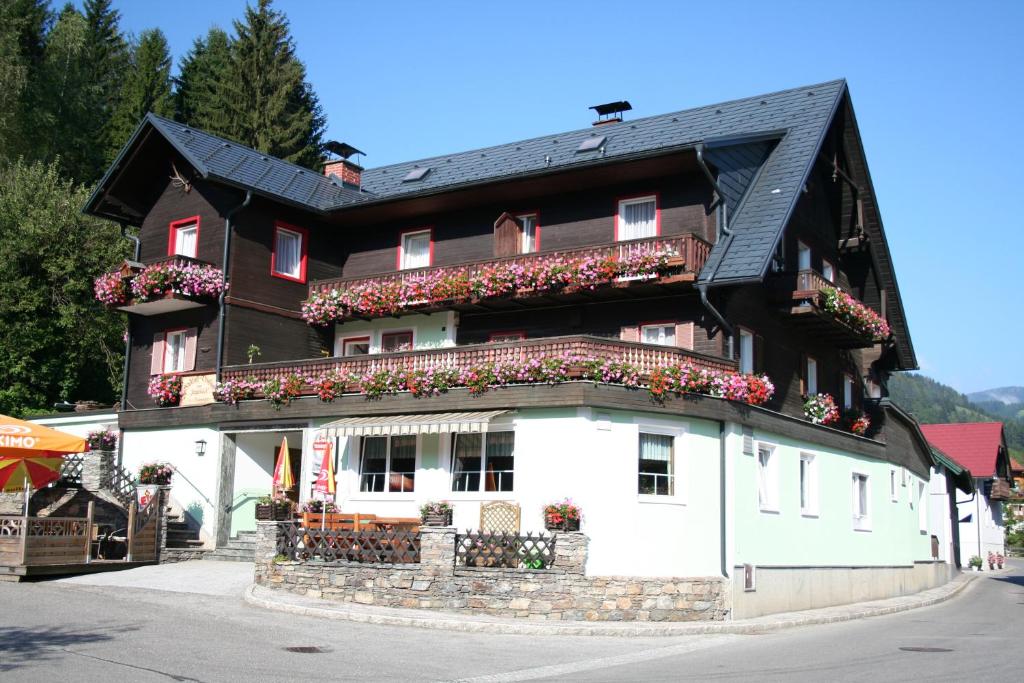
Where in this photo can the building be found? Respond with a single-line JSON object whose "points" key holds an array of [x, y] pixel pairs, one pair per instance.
{"points": [[980, 447], [629, 314]]}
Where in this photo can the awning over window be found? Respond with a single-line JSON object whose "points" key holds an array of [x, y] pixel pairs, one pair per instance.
{"points": [[433, 423]]}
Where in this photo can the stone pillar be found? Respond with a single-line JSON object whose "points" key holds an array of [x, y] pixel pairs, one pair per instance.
{"points": [[437, 550], [165, 500], [571, 552], [266, 550], [98, 470]]}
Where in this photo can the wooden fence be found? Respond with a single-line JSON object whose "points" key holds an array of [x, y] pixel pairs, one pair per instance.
{"points": [[41, 541], [144, 530]]}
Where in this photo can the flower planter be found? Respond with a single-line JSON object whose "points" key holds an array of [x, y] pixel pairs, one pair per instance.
{"points": [[273, 512], [437, 519], [564, 525]]}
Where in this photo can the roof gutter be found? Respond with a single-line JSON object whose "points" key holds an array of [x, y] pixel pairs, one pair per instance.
{"points": [[224, 279]]}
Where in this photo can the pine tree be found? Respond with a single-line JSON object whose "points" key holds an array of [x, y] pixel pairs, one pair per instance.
{"points": [[200, 94], [272, 108], [147, 87], [23, 27], [106, 61]]}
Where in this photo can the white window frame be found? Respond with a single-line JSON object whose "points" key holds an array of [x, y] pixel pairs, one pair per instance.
{"points": [[848, 385], [623, 203], [669, 329], [529, 244], [767, 478], [803, 256], [482, 489], [680, 481], [812, 376], [391, 333], [403, 251], [746, 351], [861, 518], [359, 492], [808, 485], [192, 227], [922, 510], [359, 338], [894, 490], [176, 364], [828, 270], [297, 275]]}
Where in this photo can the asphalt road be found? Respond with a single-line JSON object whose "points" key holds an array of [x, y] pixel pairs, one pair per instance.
{"points": [[198, 629]]}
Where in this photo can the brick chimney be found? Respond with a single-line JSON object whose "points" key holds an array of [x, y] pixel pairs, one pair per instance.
{"points": [[350, 172]]}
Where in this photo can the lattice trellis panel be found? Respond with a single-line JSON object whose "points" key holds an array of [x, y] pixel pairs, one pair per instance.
{"points": [[499, 516], [300, 543]]}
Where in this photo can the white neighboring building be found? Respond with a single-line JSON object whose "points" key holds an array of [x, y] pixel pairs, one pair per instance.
{"points": [[79, 424], [980, 447], [949, 484]]}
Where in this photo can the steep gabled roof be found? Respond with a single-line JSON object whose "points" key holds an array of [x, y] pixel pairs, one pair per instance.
{"points": [[975, 445]]}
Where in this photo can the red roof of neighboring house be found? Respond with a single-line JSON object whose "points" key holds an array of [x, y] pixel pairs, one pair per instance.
{"points": [[975, 445]]}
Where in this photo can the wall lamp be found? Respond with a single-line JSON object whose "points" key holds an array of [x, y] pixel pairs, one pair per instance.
{"points": [[201, 447]]}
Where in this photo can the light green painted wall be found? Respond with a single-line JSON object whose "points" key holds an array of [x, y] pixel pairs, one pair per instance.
{"points": [[430, 329], [788, 537]]}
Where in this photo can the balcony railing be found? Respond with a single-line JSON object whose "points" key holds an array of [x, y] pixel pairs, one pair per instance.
{"points": [[830, 312], [436, 288], [645, 357]]}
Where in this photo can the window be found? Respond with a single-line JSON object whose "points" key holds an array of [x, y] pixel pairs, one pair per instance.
{"points": [[502, 337], [746, 352], [656, 465], [893, 490], [767, 481], [808, 485], [184, 237], [355, 346], [847, 392], [531, 233], [416, 249], [388, 463], [638, 217], [803, 261], [812, 376], [174, 351], [861, 500], [288, 259], [483, 458], [828, 271], [392, 342], [922, 516], [874, 389], [659, 333]]}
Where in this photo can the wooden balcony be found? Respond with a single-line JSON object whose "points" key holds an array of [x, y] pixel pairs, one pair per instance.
{"points": [[1000, 490], [801, 298], [168, 302], [645, 356], [691, 252]]}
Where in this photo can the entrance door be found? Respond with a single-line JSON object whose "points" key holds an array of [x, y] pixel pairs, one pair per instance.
{"points": [[255, 457]]}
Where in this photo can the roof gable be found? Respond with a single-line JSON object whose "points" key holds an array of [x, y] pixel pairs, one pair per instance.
{"points": [[975, 445]]}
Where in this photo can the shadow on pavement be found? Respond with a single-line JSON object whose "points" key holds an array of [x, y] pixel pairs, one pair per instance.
{"points": [[21, 646]]}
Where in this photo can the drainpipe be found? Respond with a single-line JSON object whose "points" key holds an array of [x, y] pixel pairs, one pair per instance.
{"points": [[128, 330], [723, 521], [702, 287], [224, 281]]}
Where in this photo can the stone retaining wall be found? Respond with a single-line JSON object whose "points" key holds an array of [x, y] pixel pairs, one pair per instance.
{"points": [[563, 592]]}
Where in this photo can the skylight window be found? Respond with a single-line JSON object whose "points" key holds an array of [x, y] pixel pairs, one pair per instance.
{"points": [[592, 143], [416, 174]]}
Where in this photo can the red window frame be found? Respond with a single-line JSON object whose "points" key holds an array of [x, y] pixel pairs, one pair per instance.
{"points": [[520, 335], [172, 234], [304, 235], [536, 227], [429, 229], [163, 358], [642, 195], [395, 333], [360, 338]]}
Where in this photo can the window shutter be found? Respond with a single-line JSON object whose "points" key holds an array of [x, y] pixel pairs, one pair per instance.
{"points": [[748, 441], [156, 363], [758, 353], [191, 339], [630, 333], [506, 236], [684, 335]]}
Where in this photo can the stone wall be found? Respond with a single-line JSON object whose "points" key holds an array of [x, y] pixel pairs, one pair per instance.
{"points": [[562, 592]]}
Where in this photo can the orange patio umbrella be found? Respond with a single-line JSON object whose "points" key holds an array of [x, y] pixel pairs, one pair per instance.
{"points": [[283, 479], [31, 455]]}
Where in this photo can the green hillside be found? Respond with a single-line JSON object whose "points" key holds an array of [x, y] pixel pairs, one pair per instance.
{"points": [[933, 402]]}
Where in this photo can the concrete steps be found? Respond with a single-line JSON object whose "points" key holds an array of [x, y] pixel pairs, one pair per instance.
{"points": [[180, 535], [241, 548]]}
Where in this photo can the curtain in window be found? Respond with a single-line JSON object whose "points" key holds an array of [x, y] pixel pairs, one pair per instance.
{"points": [[403, 464], [416, 250], [763, 460], [499, 463], [655, 467], [860, 495], [185, 242], [662, 334], [638, 220], [466, 462], [529, 233], [374, 464], [288, 253], [174, 352]]}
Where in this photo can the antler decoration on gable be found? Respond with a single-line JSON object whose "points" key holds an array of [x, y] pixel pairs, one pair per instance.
{"points": [[179, 180]]}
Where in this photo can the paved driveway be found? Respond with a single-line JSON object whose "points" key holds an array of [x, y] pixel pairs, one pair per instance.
{"points": [[206, 577]]}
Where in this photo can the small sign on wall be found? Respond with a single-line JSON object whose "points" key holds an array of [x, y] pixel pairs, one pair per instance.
{"points": [[145, 494], [197, 390], [749, 577]]}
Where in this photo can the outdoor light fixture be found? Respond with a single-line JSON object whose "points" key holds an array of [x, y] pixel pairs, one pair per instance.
{"points": [[201, 447]]}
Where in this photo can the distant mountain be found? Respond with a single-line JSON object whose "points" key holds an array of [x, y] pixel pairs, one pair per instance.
{"points": [[933, 402], [1004, 395]]}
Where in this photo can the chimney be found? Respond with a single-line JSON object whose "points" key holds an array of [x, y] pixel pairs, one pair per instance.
{"points": [[610, 112], [349, 172]]}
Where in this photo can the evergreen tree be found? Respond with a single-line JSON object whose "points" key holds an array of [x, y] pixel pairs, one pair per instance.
{"points": [[272, 108], [106, 62], [200, 95], [147, 87], [58, 342], [23, 27]]}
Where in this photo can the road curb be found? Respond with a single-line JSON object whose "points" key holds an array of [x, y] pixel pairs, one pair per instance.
{"points": [[266, 598]]}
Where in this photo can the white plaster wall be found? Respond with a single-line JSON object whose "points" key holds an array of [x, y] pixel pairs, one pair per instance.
{"points": [[939, 522], [195, 478], [79, 424], [984, 532]]}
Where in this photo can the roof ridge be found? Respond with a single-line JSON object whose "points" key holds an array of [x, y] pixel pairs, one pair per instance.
{"points": [[574, 131]]}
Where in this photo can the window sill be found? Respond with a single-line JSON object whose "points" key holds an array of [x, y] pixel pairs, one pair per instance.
{"points": [[480, 495], [809, 515], [769, 511], [655, 499], [365, 497]]}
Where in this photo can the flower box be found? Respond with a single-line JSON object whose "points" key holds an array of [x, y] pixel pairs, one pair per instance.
{"points": [[273, 512], [437, 519], [564, 525]]}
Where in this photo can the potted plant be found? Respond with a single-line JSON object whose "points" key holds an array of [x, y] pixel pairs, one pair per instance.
{"points": [[101, 440], [436, 513], [156, 473], [975, 563], [563, 516], [999, 560], [313, 512], [991, 560], [273, 509]]}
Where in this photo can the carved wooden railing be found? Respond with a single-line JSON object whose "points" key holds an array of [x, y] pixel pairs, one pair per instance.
{"points": [[36, 541], [143, 530], [692, 254], [645, 356]]}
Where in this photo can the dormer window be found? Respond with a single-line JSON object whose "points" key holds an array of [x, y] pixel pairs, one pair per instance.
{"points": [[637, 217], [416, 249], [288, 259], [184, 237]]}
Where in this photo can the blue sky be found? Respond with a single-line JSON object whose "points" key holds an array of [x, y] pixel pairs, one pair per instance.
{"points": [[935, 87]]}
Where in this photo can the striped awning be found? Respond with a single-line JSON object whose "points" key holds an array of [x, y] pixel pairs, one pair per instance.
{"points": [[432, 423]]}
